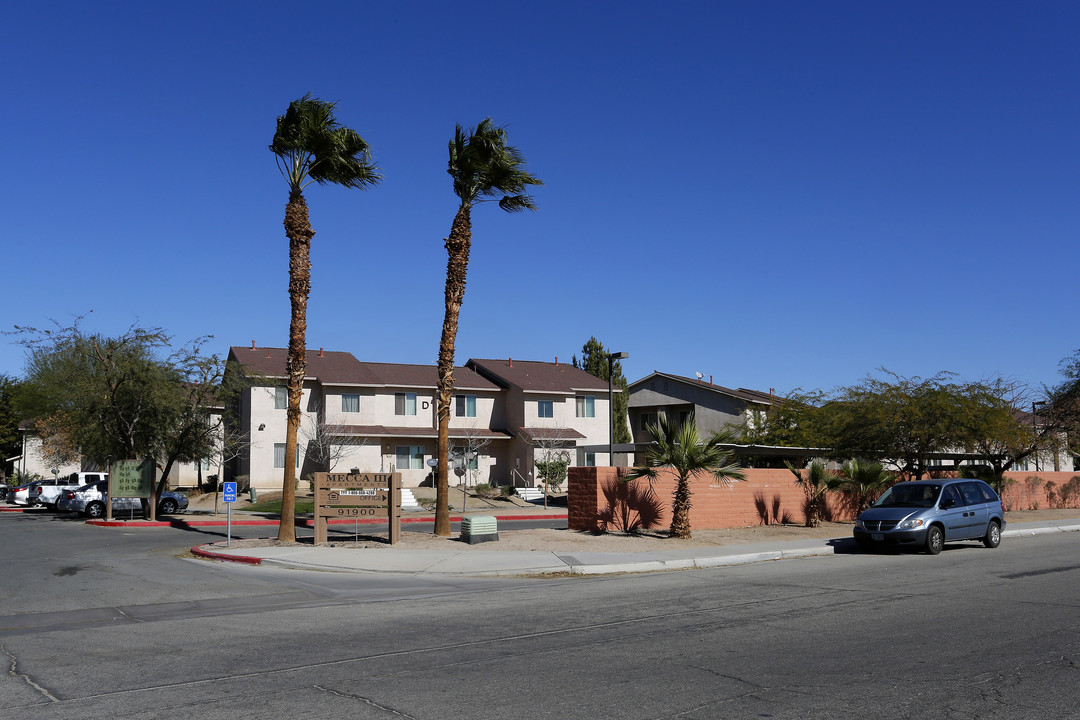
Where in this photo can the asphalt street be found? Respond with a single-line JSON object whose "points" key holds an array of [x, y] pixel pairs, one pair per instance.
{"points": [[97, 621]]}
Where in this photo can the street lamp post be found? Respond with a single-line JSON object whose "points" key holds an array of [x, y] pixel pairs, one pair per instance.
{"points": [[611, 358]]}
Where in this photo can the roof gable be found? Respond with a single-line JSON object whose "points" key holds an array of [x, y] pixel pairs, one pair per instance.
{"points": [[744, 394]]}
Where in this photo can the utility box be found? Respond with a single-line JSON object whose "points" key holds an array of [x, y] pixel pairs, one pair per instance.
{"points": [[482, 528]]}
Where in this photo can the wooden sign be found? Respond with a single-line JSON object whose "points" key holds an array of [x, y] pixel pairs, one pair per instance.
{"points": [[358, 496]]}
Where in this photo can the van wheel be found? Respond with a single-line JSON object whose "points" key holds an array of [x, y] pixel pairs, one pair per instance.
{"points": [[935, 540], [95, 510], [993, 535]]}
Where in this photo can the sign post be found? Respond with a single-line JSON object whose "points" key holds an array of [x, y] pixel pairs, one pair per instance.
{"points": [[356, 496], [230, 498]]}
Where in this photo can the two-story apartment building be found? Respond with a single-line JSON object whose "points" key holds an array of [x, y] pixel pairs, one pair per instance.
{"points": [[549, 407], [676, 397], [381, 417]]}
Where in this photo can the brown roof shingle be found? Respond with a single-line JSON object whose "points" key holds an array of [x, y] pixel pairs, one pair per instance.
{"points": [[533, 376], [341, 368]]}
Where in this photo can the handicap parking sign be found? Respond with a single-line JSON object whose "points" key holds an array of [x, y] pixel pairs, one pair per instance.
{"points": [[230, 492]]}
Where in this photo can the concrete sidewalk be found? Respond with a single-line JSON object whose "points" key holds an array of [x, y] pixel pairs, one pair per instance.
{"points": [[493, 562]]}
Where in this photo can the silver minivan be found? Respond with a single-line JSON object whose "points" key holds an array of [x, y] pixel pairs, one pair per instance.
{"points": [[930, 513]]}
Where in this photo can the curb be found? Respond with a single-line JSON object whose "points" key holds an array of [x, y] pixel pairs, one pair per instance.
{"points": [[199, 551]]}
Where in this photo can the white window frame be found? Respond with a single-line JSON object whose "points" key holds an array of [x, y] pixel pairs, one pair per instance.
{"points": [[279, 464], [415, 453], [404, 399], [585, 406], [281, 397], [540, 404], [465, 406], [350, 396]]}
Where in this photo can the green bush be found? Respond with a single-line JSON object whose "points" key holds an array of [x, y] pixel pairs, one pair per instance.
{"points": [[508, 490]]}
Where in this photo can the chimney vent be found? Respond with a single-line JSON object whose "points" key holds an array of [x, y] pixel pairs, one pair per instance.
{"points": [[252, 344], [710, 379], [556, 361], [321, 353], [510, 362]]}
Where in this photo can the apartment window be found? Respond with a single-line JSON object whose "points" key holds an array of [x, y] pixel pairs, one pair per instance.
{"points": [[466, 405], [410, 457], [281, 398], [586, 406], [350, 403], [545, 408], [404, 403], [647, 419], [279, 456], [590, 459]]}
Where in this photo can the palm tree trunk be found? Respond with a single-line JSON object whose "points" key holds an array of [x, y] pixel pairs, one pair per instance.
{"points": [[680, 510], [457, 268], [298, 230]]}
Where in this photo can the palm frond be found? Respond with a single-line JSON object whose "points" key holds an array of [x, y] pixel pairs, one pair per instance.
{"points": [[484, 167], [312, 146]]}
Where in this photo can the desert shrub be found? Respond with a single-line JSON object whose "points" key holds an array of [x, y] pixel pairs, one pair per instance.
{"points": [[508, 490], [21, 478], [483, 490], [426, 503], [1070, 491]]}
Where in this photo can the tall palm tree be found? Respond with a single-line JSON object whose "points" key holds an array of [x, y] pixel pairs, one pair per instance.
{"points": [[681, 448], [310, 147], [484, 168]]}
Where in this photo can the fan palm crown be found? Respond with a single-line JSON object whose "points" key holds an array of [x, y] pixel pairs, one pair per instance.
{"points": [[484, 167], [311, 146]]}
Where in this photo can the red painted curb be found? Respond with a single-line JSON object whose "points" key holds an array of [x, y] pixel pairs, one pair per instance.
{"points": [[209, 555], [177, 523]]}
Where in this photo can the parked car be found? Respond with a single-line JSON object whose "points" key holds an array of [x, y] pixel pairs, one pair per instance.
{"points": [[90, 501], [21, 495], [49, 490], [930, 513]]}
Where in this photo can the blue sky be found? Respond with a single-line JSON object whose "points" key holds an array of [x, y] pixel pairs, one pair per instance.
{"points": [[774, 194]]}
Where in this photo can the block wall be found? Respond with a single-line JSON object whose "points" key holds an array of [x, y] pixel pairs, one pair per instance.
{"points": [[598, 501]]}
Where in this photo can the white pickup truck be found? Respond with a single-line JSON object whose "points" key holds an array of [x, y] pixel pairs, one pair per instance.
{"points": [[48, 492]]}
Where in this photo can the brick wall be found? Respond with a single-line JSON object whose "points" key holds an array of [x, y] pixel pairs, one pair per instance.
{"points": [[598, 501], [1024, 493]]}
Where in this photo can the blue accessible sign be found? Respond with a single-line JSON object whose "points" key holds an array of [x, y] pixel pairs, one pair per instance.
{"points": [[230, 492]]}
